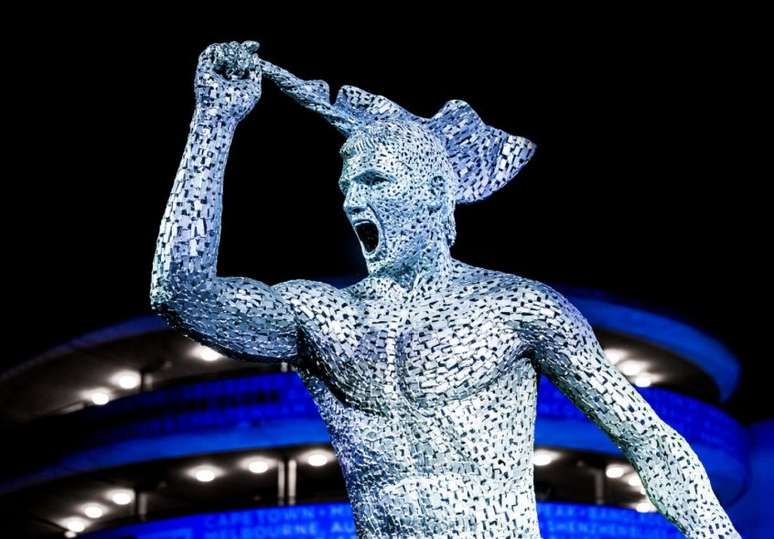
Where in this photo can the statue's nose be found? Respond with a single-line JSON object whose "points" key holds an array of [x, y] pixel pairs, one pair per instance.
{"points": [[355, 202]]}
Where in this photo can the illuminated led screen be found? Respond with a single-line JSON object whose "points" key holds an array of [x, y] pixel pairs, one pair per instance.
{"points": [[334, 521]]}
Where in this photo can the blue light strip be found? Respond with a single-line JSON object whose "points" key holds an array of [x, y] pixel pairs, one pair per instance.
{"points": [[334, 521]]}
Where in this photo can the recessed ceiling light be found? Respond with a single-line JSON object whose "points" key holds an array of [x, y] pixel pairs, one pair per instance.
{"points": [[74, 524], [121, 496], [631, 368], [70, 534], [205, 473], [634, 480], [93, 510], [643, 380], [317, 459], [127, 379], [615, 355], [98, 396], [205, 476], [258, 465], [543, 457], [616, 471], [207, 354], [645, 506]]}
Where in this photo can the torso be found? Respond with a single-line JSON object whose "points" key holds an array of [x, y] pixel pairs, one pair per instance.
{"points": [[429, 398]]}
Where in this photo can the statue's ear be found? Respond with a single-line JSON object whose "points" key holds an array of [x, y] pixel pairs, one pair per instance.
{"points": [[438, 189]]}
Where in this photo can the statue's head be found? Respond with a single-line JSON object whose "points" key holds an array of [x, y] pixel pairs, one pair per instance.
{"points": [[399, 192], [403, 173]]}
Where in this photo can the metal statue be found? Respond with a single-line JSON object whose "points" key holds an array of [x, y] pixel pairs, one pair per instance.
{"points": [[425, 372]]}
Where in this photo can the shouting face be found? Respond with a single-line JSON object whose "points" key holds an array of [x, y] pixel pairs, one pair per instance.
{"points": [[397, 184]]}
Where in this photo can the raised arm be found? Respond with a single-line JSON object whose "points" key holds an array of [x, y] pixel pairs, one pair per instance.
{"points": [[245, 318], [568, 353]]}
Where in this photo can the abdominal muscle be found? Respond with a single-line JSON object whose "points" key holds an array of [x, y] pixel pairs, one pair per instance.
{"points": [[446, 505]]}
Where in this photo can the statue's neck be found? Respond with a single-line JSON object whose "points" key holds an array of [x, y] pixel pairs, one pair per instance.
{"points": [[432, 268]]}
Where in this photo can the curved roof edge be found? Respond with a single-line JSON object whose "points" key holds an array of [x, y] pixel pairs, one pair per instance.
{"points": [[687, 341], [128, 328]]}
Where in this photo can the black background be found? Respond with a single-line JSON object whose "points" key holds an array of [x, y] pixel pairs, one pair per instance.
{"points": [[645, 183]]}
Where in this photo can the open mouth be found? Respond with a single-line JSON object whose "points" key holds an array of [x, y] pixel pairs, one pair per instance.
{"points": [[368, 234]]}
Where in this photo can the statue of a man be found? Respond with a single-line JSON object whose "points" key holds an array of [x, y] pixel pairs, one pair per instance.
{"points": [[425, 372]]}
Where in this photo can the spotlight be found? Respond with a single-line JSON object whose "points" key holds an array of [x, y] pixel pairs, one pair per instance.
{"points": [[258, 465], [615, 355], [127, 379], [121, 496], [70, 534], [643, 380], [93, 510], [317, 459], [74, 524], [542, 457], [208, 354], [205, 473], [99, 396], [615, 471]]}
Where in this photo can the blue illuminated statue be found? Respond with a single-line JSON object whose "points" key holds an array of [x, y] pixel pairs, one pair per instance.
{"points": [[426, 371]]}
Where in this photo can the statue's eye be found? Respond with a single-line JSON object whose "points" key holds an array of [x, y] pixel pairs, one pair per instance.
{"points": [[373, 179], [344, 186]]}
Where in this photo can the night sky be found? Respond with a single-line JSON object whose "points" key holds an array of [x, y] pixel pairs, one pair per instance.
{"points": [[643, 185]]}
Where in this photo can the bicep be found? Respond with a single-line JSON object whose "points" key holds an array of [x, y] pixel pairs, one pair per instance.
{"points": [[571, 357], [245, 318]]}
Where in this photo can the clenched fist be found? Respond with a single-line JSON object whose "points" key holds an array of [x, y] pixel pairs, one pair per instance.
{"points": [[228, 80]]}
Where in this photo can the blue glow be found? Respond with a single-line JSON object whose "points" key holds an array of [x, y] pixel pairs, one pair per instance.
{"points": [[752, 514], [334, 521], [720, 442], [699, 422], [686, 341]]}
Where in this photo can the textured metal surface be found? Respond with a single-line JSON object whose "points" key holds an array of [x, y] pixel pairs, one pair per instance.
{"points": [[426, 371]]}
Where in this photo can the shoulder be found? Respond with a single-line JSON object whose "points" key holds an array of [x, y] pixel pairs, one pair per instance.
{"points": [[508, 286], [315, 291], [525, 301], [315, 301], [534, 311]]}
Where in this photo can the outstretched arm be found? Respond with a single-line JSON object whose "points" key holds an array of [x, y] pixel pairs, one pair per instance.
{"points": [[244, 318], [674, 479]]}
